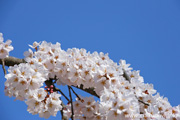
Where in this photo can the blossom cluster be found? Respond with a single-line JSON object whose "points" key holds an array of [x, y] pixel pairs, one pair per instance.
{"points": [[122, 91], [5, 48], [85, 108]]}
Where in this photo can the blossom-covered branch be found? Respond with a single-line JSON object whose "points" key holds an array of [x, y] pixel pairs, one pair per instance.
{"points": [[122, 91]]}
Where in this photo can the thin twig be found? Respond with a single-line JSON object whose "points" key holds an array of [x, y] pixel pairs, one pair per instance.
{"points": [[62, 113], [3, 66], [75, 93], [72, 110], [50, 82], [143, 102], [56, 89]]}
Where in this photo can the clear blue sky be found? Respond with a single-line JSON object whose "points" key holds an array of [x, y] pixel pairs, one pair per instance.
{"points": [[144, 33]]}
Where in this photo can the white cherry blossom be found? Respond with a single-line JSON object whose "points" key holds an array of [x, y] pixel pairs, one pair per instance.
{"points": [[122, 92]]}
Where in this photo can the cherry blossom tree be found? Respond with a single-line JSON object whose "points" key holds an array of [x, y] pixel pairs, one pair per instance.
{"points": [[122, 93]]}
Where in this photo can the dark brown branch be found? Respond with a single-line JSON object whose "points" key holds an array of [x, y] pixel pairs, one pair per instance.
{"points": [[72, 109], [143, 102], [56, 89], [88, 90], [75, 94], [11, 61], [62, 113]]}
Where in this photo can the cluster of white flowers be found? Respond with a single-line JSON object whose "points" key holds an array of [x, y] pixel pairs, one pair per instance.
{"points": [[24, 82], [123, 93], [85, 108], [5, 48]]}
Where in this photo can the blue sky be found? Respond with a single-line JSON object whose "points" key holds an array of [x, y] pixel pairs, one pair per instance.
{"points": [[144, 33]]}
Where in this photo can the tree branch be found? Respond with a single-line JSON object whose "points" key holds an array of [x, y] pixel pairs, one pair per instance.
{"points": [[62, 113], [75, 93], [11, 61], [57, 89], [72, 109]]}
